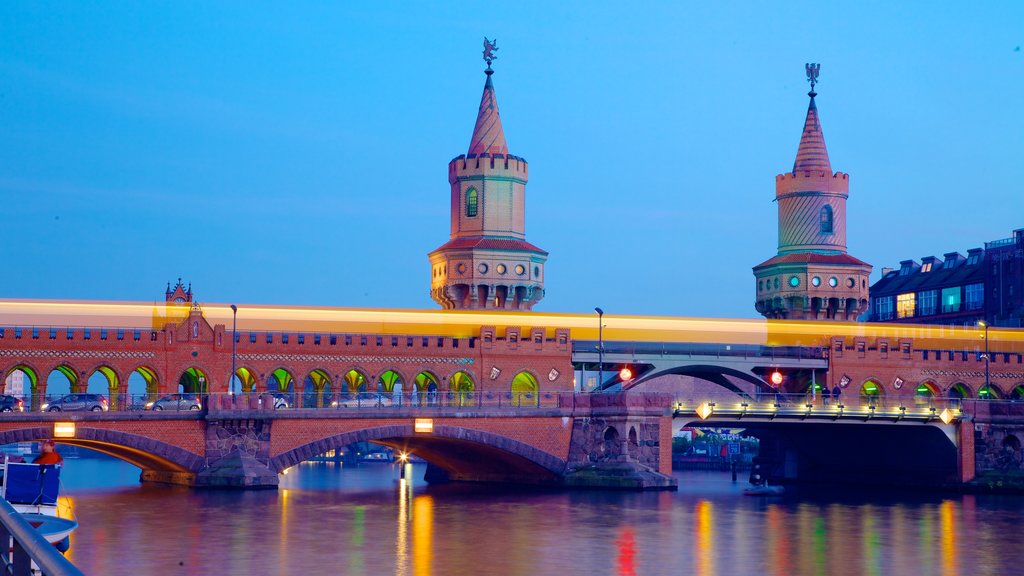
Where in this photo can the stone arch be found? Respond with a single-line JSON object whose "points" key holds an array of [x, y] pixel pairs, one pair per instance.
{"points": [[711, 373], [871, 389], [193, 380], [525, 389], [1017, 393], [990, 392], [610, 443], [464, 445], [142, 385], [633, 440], [316, 389], [26, 368], [1011, 442], [68, 373], [428, 385], [110, 377], [959, 391], [247, 379], [462, 387], [355, 381], [282, 379]]}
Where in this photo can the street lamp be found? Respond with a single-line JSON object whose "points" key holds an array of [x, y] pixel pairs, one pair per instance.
{"points": [[984, 325], [600, 346], [234, 344]]}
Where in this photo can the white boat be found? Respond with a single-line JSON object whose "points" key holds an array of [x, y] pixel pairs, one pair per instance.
{"points": [[764, 490], [33, 490]]}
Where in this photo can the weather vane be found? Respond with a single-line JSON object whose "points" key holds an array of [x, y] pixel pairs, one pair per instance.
{"points": [[490, 46], [812, 74]]}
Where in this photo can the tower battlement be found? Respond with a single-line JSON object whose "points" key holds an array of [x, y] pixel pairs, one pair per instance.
{"points": [[812, 181], [500, 165]]}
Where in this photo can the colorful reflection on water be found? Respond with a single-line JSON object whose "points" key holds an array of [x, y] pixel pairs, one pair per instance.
{"points": [[369, 520]]}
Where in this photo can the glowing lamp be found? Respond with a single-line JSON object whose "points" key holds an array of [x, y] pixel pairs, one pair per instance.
{"points": [[776, 377], [705, 410], [625, 374], [63, 429], [946, 416], [424, 425]]}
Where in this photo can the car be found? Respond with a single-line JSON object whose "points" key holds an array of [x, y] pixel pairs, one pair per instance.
{"points": [[280, 400], [365, 400], [176, 402], [11, 404], [75, 402]]}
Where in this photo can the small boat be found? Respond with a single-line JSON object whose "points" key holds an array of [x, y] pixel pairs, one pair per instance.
{"points": [[383, 457], [33, 490], [53, 528], [764, 490]]}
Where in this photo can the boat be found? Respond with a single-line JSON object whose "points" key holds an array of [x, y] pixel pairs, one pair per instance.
{"points": [[764, 490], [383, 457], [33, 490]]}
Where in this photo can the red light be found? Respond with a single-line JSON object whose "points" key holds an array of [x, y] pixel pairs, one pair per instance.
{"points": [[776, 377], [625, 374]]}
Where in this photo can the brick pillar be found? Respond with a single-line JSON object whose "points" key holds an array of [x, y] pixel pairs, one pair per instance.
{"points": [[965, 450]]}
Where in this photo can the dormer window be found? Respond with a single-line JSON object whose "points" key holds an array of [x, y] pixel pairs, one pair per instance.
{"points": [[471, 203], [926, 267], [826, 219]]}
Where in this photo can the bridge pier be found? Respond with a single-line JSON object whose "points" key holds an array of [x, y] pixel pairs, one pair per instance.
{"points": [[621, 441], [237, 455]]}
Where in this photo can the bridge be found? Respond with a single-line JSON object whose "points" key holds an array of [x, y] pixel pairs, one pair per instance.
{"points": [[324, 357]]}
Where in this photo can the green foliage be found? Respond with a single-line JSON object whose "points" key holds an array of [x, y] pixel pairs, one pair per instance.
{"points": [[680, 445]]}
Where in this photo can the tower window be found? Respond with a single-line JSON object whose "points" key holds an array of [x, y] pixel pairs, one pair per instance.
{"points": [[826, 219], [471, 203]]}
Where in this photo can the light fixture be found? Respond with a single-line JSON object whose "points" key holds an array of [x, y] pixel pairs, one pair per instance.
{"points": [[424, 425], [705, 410], [63, 429], [946, 416], [903, 412], [625, 374], [776, 378]]}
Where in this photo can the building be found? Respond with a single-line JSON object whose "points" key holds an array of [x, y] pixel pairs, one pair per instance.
{"points": [[812, 277], [985, 286], [487, 262]]}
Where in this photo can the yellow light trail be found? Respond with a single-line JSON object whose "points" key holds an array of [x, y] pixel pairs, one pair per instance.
{"points": [[467, 323]]}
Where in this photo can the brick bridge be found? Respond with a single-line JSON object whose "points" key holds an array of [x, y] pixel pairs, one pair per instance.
{"points": [[613, 440]]}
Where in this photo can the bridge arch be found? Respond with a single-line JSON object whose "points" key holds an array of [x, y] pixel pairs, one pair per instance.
{"points": [[31, 374], [110, 375], [355, 380], [149, 375], [710, 373], [194, 380], [990, 392], [464, 453], [149, 454], [1018, 392], [246, 379], [872, 388], [525, 388], [959, 390], [68, 373]]}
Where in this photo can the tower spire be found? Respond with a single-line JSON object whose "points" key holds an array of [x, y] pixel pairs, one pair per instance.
{"points": [[488, 135], [812, 155]]}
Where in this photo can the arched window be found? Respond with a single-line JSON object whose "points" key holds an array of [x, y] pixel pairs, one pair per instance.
{"points": [[471, 201], [826, 219]]}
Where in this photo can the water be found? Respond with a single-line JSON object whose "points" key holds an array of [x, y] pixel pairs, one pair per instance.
{"points": [[329, 519]]}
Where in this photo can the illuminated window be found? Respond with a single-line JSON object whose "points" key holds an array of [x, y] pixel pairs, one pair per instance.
{"points": [[471, 203], [951, 299], [833, 282], [926, 267], [794, 281], [975, 296], [927, 300], [826, 219], [905, 305], [816, 281]]}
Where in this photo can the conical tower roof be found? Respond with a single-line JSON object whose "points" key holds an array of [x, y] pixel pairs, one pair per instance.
{"points": [[812, 154], [488, 135]]}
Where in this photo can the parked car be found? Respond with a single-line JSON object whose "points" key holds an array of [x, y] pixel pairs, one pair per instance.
{"points": [[11, 404], [176, 402], [280, 400], [72, 402]]}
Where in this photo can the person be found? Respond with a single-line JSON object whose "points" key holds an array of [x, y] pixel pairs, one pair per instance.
{"points": [[836, 392], [48, 454], [825, 394]]}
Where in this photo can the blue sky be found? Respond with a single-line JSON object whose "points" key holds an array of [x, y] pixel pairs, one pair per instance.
{"points": [[299, 155]]}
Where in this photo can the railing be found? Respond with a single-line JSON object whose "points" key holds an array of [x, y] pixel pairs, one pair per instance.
{"points": [[698, 349], [370, 401], [28, 546]]}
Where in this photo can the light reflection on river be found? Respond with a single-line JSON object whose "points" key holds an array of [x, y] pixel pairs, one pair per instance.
{"points": [[364, 520]]}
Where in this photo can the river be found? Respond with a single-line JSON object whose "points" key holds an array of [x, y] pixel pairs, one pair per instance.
{"points": [[366, 520]]}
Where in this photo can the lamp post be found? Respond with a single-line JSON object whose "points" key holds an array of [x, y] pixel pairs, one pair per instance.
{"points": [[600, 346], [984, 325], [234, 345]]}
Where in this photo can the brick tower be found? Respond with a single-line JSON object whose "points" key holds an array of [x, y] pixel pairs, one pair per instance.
{"points": [[812, 277], [487, 262]]}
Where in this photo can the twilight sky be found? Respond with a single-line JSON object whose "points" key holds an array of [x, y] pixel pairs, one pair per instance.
{"points": [[299, 155]]}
